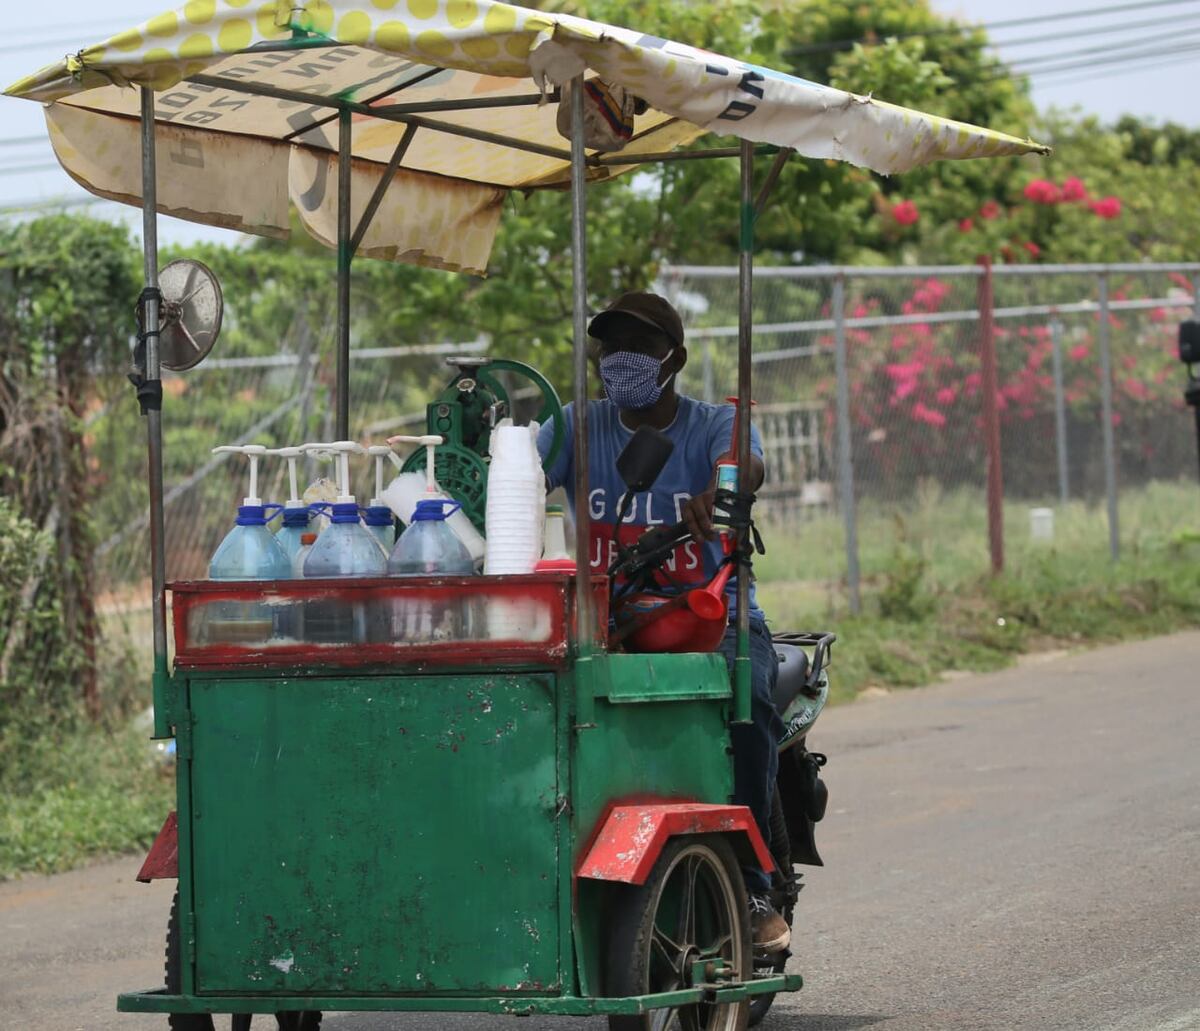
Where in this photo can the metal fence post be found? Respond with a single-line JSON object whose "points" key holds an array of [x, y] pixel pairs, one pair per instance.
{"points": [[1060, 412], [991, 416], [709, 382], [1106, 413], [845, 459]]}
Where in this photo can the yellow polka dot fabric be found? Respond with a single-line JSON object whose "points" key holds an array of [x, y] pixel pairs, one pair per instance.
{"points": [[350, 48]]}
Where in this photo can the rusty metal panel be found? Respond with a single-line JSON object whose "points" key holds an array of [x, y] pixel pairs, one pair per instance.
{"points": [[367, 835]]}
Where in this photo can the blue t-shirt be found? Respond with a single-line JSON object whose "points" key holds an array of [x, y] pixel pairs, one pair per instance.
{"points": [[701, 434]]}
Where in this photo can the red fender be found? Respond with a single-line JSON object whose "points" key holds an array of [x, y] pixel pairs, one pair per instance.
{"points": [[162, 861], [632, 836]]}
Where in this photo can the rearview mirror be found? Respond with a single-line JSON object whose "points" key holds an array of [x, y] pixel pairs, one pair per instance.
{"points": [[643, 458]]}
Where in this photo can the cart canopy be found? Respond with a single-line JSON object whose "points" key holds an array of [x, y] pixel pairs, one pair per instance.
{"points": [[249, 94]]}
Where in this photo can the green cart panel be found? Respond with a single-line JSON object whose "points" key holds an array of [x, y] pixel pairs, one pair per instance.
{"points": [[327, 871]]}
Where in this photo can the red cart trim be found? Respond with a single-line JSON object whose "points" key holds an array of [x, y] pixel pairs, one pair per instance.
{"points": [[632, 837], [162, 861]]}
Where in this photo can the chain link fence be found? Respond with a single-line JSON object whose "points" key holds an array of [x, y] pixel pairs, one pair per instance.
{"points": [[872, 406]]}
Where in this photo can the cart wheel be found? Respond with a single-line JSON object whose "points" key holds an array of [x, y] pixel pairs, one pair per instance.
{"points": [[692, 906], [775, 962]]}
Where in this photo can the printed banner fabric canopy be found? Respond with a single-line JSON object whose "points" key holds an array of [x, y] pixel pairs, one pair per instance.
{"points": [[235, 159]]}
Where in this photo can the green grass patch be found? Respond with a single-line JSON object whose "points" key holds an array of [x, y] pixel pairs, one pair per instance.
{"points": [[930, 604], [71, 793]]}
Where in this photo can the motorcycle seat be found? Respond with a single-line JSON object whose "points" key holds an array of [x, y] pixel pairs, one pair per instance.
{"points": [[793, 669]]}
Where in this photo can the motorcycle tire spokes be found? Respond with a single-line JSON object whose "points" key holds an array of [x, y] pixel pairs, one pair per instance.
{"points": [[692, 907]]}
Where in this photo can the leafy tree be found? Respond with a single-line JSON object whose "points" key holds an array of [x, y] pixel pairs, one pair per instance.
{"points": [[67, 289]]}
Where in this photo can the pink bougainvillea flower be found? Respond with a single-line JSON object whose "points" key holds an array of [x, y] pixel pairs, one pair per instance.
{"points": [[1158, 314], [905, 212], [1073, 189], [909, 370], [1079, 352], [947, 395], [989, 210], [1136, 389], [1106, 207], [1042, 191], [965, 225], [930, 416], [1033, 249]]}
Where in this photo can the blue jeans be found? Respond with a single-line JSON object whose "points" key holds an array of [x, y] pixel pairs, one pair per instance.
{"points": [[756, 744]]}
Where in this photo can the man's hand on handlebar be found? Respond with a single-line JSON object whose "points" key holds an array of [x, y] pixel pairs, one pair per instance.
{"points": [[697, 516]]}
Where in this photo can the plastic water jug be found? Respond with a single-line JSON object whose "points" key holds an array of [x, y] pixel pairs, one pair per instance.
{"points": [[250, 551], [345, 548], [429, 547]]}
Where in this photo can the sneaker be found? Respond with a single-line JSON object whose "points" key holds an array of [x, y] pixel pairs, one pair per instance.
{"points": [[768, 929]]}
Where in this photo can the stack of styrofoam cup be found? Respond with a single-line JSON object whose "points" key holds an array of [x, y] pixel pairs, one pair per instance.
{"points": [[516, 501], [516, 504]]}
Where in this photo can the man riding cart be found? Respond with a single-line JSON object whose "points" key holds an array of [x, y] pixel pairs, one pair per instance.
{"points": [[473, 793]]}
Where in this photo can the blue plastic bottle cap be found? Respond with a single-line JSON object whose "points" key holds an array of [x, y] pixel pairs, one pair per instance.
{"points": [[434, 508], [295, 516], [379, 515], [251, 515], [345, 514]]}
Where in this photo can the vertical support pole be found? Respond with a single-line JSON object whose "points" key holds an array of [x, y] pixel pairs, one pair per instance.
{"points": [[741, 662], [709, 380], [845, 458], [1195, 315], [344, 258], [154, 436], [585, 700], [991, 416], [1060, 412], [1106, 413]]}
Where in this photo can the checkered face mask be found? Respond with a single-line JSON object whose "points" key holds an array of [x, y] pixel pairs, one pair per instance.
{"points": [[631, 379]]}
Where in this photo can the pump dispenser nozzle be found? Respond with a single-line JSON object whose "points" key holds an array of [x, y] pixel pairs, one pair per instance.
{"points": [[379, 452], [430, 441], [253, 452], [291, 454], [341, 450]]}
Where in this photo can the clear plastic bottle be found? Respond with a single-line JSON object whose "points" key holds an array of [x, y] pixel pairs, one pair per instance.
{"points": [[248, 552], [344, 549], [294, 528], [429, 547], [380, 525]]}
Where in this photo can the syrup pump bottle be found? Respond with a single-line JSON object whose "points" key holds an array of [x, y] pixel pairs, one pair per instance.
{"points": [[249, 551], [377, 516], [296, 515], [345, 547]]}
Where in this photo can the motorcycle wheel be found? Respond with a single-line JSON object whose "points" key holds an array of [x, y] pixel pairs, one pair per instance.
{"points": [[286, 1020], [692, 906], [776, 962]]}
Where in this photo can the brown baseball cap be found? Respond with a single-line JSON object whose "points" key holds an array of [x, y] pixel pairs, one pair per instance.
{"points": [[646, 307]]}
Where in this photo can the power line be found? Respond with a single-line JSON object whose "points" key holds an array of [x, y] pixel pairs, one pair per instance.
{"points": [[53, 204], [22, 141], [1097, 62], [958, 28], [1022, 67], [1135, 66], [44, 166], [1124, 26]]}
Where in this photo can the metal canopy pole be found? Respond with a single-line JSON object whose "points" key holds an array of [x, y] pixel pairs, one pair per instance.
{"points": [[152, 374], [344, 257], [741, 663], [585, 701], [1106, 409]]}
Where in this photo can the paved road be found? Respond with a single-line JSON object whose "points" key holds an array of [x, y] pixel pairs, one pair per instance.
{"points": [[1019, 850]]}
